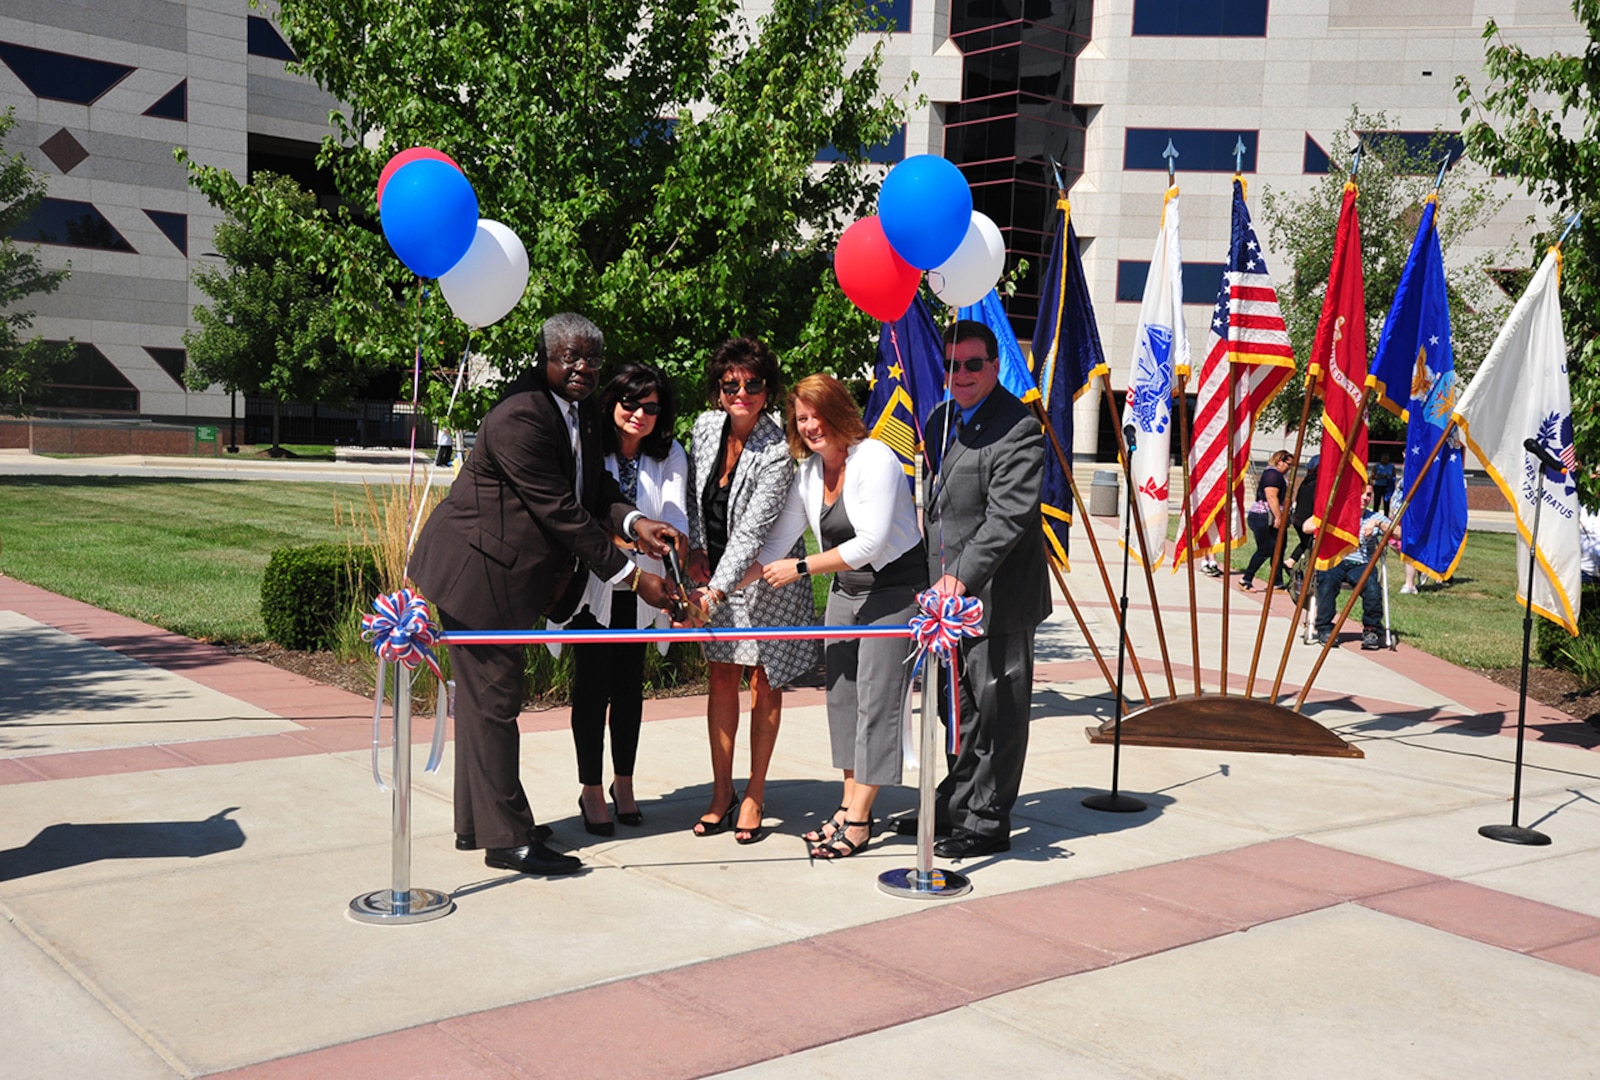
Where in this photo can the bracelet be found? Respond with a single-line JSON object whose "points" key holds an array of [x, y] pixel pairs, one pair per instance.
{"points": [[633, 582]]}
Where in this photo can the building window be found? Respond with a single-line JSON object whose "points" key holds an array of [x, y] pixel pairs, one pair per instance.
{"points": [[1199, 18], [891, 15], [263, 39], [1200, 281], [172, 361], [1316, 161], [1420, 152], [174, 104], [62, 76], [70, 223], [174, 227], [1199, 149], [91, 383], [887, 152]]}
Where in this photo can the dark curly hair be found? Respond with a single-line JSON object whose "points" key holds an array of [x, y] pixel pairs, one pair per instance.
{"points": [[745, 354], [634, 381]]}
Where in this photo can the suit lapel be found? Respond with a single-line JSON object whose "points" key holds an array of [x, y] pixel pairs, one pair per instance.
{"points": [[981, 419]]}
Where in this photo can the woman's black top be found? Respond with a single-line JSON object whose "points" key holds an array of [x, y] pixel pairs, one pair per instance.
{"points": [[714, 502], [1272, 478], [910, 569]]}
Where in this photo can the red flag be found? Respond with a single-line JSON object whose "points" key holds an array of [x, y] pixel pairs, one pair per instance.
{"points": [[1338, 369]]}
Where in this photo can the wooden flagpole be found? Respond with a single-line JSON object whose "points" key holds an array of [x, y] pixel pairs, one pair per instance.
{"points": [[1277, 553], [1188, 528]]}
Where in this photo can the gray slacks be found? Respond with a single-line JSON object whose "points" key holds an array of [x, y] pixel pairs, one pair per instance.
{"points": [[867, 684], [996, 702]]}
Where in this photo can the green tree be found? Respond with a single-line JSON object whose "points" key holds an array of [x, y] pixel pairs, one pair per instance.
{"points": [[657, 157], [25, 363], [1394, 180], [269, 329], [1537, 118]]}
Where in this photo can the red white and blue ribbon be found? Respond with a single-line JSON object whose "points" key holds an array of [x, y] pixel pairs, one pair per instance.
{"points": [[400, 630], [938, 629]]}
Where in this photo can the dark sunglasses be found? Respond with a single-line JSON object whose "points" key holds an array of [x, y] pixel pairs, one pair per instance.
{"points": [[757, 385], [973, 364], [651, 408]]}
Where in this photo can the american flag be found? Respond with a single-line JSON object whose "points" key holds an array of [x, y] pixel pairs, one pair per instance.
{"points": [[1569, 458], [1249, 346]]}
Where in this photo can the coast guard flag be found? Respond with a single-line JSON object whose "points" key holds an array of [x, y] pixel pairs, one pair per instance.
{"points": [[1414, 370], [1521, 391], [907, 382], [1066, 357], [1338, 370], [1249, 353], [1160, 351], [1014, 373]]}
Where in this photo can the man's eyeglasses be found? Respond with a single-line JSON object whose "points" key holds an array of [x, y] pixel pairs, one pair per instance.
{"points": [[650, 408], [577, 361], [730, 387], [973, 364]]}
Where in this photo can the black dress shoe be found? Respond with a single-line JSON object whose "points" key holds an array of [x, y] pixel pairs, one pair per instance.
{"points": [[469, 842], [967, 845], [532, 858], [907, 826]]}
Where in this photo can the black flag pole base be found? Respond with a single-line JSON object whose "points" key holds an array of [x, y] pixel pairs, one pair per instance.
{"points": [[1514, 834], [1113, 802]]}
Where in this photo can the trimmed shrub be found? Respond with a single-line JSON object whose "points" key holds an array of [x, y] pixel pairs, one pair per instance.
{"points": [[307, 591], [1554, 647]]}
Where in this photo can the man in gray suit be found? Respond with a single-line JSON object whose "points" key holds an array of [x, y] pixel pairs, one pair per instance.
{"points": [[981, 510]]}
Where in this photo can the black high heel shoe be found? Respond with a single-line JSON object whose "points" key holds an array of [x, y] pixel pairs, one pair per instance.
{"points": [[722, 824], [595, 828], [752, 835], [633, 818]]}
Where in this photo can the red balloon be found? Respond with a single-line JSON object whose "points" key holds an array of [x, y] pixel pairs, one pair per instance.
{"points": [[406, 157], [872, 275]]}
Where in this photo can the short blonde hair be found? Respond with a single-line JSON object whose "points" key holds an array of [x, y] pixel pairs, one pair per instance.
{"points": [[831, 401]]}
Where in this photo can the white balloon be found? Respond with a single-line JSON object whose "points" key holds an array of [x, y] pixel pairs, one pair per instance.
{"points": [[967, 276], [490, 278]]}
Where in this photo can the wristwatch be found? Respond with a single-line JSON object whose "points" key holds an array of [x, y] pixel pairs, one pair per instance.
{"points": [[802, 569]]}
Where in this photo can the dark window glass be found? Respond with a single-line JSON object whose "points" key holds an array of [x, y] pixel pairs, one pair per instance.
{"points": [[174, 104], [1199, 149], [89, 381], [72, 224], [888, 152], [263, 39], [62, 76], [1200, 281], [895, 15], [1062, 16], [1200, 18], [172, 361], [1421, 152], [1316, 158], [174, 227]]}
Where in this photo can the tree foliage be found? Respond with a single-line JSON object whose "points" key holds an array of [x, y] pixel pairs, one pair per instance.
{"points": [[1537, 119], [655, 156], [1394, 180], [25, 363]]}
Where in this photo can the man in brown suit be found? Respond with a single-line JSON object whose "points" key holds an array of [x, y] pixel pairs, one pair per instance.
{"points": [[533, 502]]}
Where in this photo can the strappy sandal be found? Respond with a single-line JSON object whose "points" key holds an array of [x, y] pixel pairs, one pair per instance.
{"points": [[754, 834], [703, 827], [815, 836], [832, 850]]}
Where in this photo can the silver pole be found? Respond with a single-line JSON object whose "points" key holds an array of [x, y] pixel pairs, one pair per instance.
{"points": [[923, 882]]}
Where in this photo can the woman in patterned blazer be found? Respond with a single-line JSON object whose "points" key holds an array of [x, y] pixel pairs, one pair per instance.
{"points": [[740, 473]]}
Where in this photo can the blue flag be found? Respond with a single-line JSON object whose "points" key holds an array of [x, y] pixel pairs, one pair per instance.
{"points": [[1014, 373], [1066, 357], [907, 382], [1415, 372]]}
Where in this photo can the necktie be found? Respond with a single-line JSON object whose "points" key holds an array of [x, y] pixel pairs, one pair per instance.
{"points": [[577, 450]]}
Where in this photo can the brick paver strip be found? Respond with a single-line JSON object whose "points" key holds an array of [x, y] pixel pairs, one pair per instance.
{"points": [[716, 1016]]}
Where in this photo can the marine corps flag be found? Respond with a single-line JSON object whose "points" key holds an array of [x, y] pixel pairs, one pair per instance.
{"points": [[1338, 372], [1066, 357], [907, 382]]}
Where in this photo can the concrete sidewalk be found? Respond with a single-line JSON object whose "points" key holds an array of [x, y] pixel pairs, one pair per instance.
{"points": [[181, 833]]}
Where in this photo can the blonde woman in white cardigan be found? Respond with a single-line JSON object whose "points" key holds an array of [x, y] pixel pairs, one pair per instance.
{"points": [[853, 493], [653, 472]]}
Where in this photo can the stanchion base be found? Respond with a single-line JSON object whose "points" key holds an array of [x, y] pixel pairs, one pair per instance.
{"points": [[421, 905], [1114, 803], [939, 885], [1514, 834]]}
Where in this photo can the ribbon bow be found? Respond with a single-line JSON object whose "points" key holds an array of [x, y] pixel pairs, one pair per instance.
{"points": [[400, 631], [944, 621]]}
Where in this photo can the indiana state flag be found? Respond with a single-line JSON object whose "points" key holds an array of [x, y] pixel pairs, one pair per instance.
{"points": [[1014, 373], [907, 382], [1414, 370], [1067, 357], [1161, 350]]}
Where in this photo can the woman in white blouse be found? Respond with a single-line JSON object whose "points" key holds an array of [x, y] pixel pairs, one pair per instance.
{"points": [[652, 470], [853, 492]]}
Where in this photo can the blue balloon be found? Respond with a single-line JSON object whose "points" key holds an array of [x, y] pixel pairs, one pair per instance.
{"points": [[430, 216], [925, 206]]}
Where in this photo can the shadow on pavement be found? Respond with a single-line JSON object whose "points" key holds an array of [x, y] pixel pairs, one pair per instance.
{"points": [[57, 847]]}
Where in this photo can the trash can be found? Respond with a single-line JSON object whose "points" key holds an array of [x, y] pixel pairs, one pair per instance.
{"points": [[1103, 493]]}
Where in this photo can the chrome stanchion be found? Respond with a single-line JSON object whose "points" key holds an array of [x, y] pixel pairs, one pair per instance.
{"points": [[923, 882], [400, 903]]}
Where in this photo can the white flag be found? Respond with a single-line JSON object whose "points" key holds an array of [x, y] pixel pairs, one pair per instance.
{"points": [[1162, 348], [1521, 391]]}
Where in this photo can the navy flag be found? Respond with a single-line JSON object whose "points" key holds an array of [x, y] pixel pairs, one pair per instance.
{"points": [[1415, 372], [1014, 373], [907, 382], [1067, 357]]}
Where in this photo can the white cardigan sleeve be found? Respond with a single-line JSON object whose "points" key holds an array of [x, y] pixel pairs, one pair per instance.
{"points": [[876, 496]]}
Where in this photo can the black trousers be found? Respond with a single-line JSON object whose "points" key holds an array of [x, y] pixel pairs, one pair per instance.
{"points": [[607, 675], [996, 706], [1266, 542]]}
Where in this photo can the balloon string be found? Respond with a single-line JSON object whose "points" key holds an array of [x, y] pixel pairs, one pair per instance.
{"points": [[416, 385], [416, 518]]}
